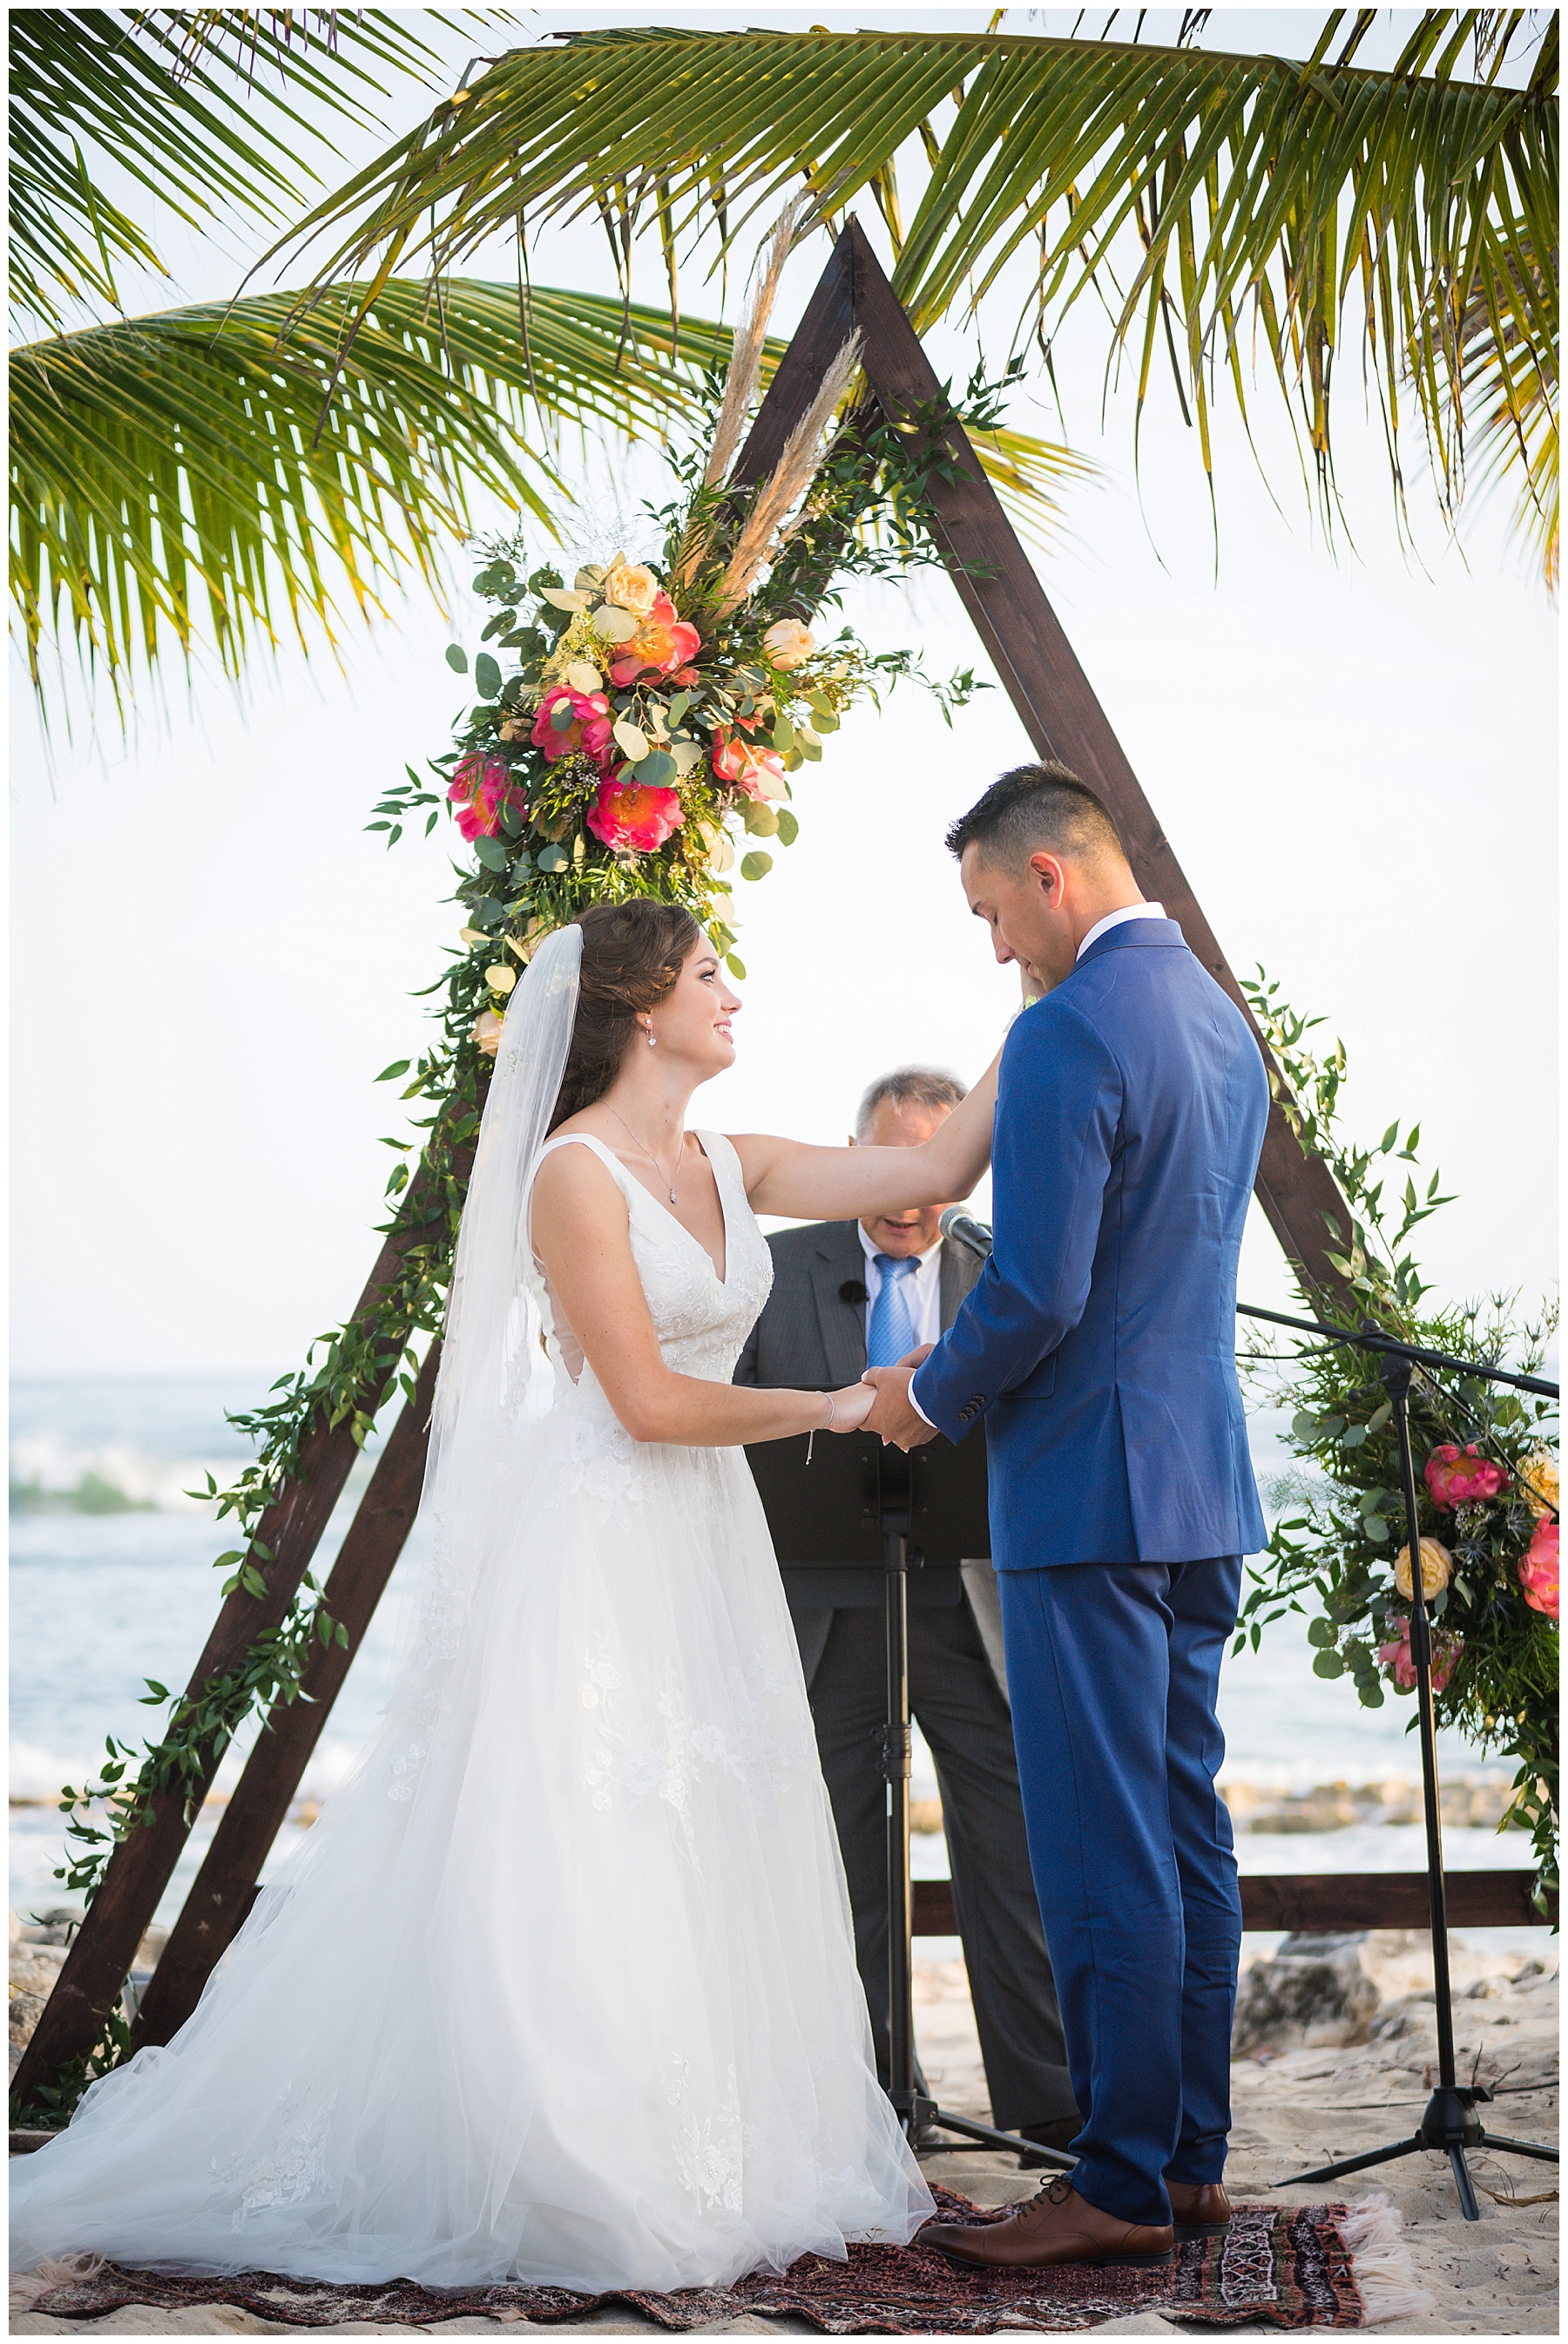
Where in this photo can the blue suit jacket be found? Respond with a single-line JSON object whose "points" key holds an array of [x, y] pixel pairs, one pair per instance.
{"points": [[1100, 1346]]}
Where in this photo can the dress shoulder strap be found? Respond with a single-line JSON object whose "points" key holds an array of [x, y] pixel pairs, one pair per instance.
{"points": [[606, 1156], [722, 1154]]}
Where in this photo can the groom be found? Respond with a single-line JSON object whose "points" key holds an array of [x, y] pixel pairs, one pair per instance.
{"points": [[1098, 1351]]}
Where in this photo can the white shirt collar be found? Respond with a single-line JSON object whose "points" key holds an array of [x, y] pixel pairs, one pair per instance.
{"points": [[1114, 920]]}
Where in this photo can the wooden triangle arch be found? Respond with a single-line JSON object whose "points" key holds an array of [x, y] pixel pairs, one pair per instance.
{"points": [[1063, 719]]}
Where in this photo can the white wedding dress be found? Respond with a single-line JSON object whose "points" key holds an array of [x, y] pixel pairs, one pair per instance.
{"points": [[561, 1986]]}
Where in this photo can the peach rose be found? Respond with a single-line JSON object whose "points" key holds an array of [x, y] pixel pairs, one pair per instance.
{"points": [[1538, 1570], [788, 644], [631, 587], [1538, 1473], [1436, 1569], [487, 1032]]}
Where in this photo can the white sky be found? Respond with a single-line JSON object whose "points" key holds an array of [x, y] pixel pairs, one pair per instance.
{"points": [[1355, 760]]}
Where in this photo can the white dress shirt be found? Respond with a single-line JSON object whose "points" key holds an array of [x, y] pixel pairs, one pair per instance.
{"points": [[924, 1292], [1112, 920]]}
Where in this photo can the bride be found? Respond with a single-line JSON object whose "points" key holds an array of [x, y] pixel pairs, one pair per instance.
{"points": [[561, 1985]]}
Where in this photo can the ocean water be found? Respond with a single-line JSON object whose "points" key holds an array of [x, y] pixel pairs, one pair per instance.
{"points": [[112, 1582]]}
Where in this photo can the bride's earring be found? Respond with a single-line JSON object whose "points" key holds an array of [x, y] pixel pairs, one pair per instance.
{"points": [[650, 1041]]}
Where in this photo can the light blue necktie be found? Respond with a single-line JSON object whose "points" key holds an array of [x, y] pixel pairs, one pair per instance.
{"points": [[891, 1334]]}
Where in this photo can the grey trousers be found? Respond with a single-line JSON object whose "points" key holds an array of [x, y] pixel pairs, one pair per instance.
{"points": [[962, 1714]]}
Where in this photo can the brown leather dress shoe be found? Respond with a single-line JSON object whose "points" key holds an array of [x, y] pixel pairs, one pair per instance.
{"points": [[1057, 2227], [1200, 2209]]}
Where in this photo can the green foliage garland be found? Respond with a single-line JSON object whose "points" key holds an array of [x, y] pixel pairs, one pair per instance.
{"points": [[722, 747], [1486, 1456]]}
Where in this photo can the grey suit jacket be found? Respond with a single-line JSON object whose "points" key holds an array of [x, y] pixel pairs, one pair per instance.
{"points": [[809, 1334]]}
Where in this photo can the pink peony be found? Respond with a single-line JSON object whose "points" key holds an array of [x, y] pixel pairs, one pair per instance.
{"points": [[1461, 1478], [1538, 1572], [1396, 1658], [627, 816], [759, 772], [590, 732], [663, 644], [480, 787]]}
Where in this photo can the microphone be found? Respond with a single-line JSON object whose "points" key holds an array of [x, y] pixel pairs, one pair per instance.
{"points": [[852, 1292], [963, 1230]]}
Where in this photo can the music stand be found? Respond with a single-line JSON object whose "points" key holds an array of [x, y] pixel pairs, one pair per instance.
{"points": [[859, 1520]]}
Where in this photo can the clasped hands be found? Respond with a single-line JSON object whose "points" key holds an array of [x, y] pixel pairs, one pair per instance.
{"points": [[881, 1403], [892, 1413]]}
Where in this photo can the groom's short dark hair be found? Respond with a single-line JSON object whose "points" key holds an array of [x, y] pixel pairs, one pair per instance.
{"points": [[1037, 806]]}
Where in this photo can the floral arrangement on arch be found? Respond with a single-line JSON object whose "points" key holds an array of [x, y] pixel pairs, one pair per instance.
{"points": [[655, 710], [1488, 1536]]}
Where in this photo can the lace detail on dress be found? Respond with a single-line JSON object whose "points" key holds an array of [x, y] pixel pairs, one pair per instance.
{"points": [[296, 2165], [710, 2157], [660, 1749]]}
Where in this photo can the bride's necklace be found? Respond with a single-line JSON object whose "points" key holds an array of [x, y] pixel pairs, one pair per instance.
{"points": [[647, 1150]]}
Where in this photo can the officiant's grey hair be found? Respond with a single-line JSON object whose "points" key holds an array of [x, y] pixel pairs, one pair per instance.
{"points": [[909, 1087], [1038, 807]]}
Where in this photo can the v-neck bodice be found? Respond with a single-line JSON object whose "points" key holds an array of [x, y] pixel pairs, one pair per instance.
{"points": [[701, 1319]]}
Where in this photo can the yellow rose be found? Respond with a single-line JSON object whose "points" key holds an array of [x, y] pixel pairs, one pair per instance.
{"points": [[1538, 1472], [631, 587], [788, 644], [1436, 1569]]}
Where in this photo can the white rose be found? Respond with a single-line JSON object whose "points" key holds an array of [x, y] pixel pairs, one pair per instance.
{"points": [[788, 644]]}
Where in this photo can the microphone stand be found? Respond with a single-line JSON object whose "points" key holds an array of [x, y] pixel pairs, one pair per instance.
{"points": [[1450, 2124]]}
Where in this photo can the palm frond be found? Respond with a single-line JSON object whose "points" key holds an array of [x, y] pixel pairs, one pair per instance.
{"points": [[179, 475], [206, 110], [1241, 198], [1509, 401]]}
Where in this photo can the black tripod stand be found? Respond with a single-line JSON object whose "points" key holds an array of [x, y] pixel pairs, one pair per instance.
{"points": [[1450, 2124], [923, 1510]]}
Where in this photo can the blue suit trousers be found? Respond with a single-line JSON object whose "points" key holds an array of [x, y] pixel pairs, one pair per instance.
{"points": [[1114, 1671]]}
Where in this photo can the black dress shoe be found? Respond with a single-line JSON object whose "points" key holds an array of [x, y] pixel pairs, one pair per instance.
{"points": [[1060, 2133]]}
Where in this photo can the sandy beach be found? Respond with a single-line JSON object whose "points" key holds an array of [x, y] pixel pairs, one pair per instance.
{"points": [[1298, 2102]]}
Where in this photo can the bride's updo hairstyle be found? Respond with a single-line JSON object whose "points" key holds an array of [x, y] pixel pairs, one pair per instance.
{"points": [[632, 955]]}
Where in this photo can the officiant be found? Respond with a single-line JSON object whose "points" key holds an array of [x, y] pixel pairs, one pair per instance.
{"points": [[846, 1295]]}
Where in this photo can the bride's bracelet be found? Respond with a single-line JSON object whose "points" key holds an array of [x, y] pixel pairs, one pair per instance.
{"points": [[832, 1419]]}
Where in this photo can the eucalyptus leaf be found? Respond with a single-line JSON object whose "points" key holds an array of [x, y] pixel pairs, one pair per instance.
{"points": [[756, 865], [656, 770], [491, 854], [456, 658], [487, 676], [612, 624]]}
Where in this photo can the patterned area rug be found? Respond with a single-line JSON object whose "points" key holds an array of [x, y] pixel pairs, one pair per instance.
{"points": [[1295, 2266]]}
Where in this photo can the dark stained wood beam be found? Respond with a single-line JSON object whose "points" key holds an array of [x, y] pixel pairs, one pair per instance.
{"points": [[143, 1864], [1064, 719], [224, 1888], [1309, 1901]]}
